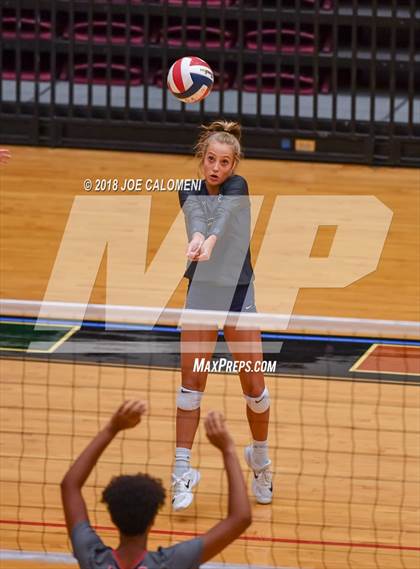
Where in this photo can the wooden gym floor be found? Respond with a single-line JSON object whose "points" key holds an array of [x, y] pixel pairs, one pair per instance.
{"points": [[343, 497], [38, 187]]}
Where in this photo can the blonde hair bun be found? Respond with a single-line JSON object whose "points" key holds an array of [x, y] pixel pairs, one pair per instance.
{"points": [[226, 132], [230, 127]]}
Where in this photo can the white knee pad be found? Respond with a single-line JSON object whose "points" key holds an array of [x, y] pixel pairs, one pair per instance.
{"points": [[188, 400], [259, 404]]}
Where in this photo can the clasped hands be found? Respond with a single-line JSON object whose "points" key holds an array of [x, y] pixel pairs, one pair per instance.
{"points": [[200, 248]]}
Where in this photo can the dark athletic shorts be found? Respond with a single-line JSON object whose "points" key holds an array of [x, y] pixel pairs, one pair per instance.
{"points": [[206, 296]]}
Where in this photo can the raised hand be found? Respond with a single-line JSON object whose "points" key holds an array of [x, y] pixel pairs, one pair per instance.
{"points": [[128, 415], [217, 432]]}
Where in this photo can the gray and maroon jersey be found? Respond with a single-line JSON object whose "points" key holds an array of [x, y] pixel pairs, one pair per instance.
{"points": [[92, 553]]}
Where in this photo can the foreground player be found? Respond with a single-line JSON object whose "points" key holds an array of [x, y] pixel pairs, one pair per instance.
{"points": [[134, 500], [220, 278]]}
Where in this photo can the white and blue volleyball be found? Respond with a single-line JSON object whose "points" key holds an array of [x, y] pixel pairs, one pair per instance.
{"points": [[190, 79]]}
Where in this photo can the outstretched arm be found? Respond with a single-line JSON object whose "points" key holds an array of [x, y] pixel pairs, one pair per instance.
{"points": [[126, 417], [239, 509], [194, 215], [235, 197]]}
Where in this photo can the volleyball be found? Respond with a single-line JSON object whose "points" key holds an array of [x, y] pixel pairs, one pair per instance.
{"points": [[190, 79]]}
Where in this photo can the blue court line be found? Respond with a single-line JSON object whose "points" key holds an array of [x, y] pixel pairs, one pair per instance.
{"points": [[264, 335]]}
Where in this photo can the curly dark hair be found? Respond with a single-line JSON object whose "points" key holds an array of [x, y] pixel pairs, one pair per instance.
{"points": [[133, 501]]}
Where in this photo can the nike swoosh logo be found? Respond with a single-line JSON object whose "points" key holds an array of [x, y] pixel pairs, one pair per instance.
{"points": [[259, 400], [187, 485]]}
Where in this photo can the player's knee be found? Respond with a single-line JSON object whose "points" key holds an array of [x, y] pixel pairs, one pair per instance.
{"points": [[259, 404], [188, 399]]}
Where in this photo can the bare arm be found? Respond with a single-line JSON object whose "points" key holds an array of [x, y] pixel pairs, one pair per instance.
{"points": [[75, 511], [239, 509]]}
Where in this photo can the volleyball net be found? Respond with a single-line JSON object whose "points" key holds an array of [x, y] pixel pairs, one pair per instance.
{"points": [[344, 431]]}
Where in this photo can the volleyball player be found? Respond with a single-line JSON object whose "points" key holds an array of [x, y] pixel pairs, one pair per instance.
{"points": [[134, 500], [221, 278], [4, 155]]}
